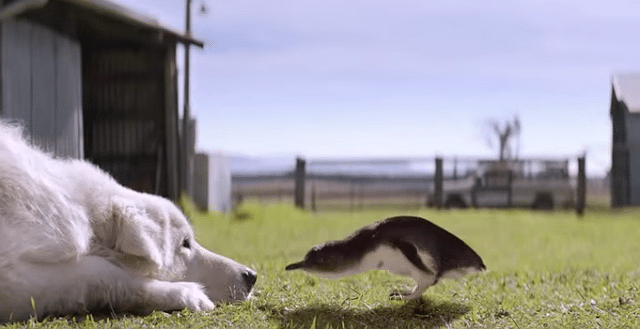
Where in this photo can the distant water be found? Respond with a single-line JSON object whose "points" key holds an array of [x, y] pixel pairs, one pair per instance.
{"points": [[261, 166], [247, 166], [277, 165]]}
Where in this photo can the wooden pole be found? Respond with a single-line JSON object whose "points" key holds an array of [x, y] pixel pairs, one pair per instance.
{"points": [[173, 122], [510, 191], [313, 197], [582, 186], [351, 195], [299, 182], [361, 192], [187, 160], [438, 188]]}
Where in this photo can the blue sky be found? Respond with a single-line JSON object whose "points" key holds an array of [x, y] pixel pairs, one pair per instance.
{"points": [[405, 78]]}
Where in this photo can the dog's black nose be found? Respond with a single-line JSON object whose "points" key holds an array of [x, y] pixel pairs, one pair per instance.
{"points": [[249, 277]]}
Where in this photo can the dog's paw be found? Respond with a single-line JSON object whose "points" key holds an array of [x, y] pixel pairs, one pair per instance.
{"points": [[195, 298], [192, 296], [181, 295]]}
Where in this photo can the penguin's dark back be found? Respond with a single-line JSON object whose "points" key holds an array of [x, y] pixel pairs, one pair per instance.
{"points": [[446, 248]]}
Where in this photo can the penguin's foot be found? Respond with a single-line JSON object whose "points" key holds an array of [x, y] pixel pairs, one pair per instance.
{"points": [[400, 294], [416, 293]]}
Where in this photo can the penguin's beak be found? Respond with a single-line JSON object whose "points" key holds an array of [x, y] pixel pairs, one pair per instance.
{"points": [[294, 266]]}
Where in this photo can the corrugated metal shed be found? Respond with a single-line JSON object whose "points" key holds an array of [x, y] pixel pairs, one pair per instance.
{"points": [[625, 153], [92, 78], [104, 8], [41, 85], [626, 87]]}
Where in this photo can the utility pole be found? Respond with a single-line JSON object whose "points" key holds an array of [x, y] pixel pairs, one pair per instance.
{"points": [[187, 160]]}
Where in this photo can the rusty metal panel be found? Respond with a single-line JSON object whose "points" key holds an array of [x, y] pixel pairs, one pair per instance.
{"points": [[69, 141], [125, 121]]}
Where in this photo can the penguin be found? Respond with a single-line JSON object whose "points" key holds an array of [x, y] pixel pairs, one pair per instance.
{"points": [[405, 245]]}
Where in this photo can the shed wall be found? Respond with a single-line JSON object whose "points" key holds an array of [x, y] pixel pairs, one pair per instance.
{"points": [[633, 148], [620, 188], [41, 85], [125, 120]]}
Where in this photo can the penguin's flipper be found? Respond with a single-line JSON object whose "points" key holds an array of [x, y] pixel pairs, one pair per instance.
{"points": [[410, 251], [295, 266]]}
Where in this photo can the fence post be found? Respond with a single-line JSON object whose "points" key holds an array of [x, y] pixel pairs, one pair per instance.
{"points": [[352, 195], [437, 191], [361, 205], [510, 191], [582, 186], [313, 196], [299, 183]]}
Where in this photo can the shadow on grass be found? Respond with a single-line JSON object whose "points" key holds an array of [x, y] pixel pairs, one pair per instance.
{"points": [[422, 313]]}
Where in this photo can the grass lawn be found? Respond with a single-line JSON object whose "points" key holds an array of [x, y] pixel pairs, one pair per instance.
{"points": [[545, 269]]}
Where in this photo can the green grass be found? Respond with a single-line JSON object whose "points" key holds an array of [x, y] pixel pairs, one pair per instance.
{"points": [[546, 270]]}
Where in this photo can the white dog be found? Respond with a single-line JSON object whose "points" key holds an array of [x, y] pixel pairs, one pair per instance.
{"points": [[72, 240]]}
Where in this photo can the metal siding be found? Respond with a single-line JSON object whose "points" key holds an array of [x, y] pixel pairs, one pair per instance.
{"points": [[43, 88], [41, 85], [619, 188], [16, 71], [124, 114], [2, 47], [633, 147], [69, 141]]}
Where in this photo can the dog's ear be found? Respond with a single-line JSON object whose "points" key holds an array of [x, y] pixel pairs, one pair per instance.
{"points": [[137, 234]]}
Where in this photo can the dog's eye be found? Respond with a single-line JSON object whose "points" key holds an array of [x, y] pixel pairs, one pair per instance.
{"points": [[186, 243]]}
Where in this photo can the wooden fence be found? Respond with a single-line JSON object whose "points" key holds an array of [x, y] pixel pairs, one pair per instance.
{"points": [[344, 191]]}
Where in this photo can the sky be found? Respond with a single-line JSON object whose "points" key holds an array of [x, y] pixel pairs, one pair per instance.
{"points": [[411, 78]]}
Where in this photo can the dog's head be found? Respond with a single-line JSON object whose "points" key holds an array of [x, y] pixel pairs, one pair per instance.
{"points": [[156, 241]]}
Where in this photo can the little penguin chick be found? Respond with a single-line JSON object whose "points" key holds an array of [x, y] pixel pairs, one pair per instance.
{"points": [[404, 245]]}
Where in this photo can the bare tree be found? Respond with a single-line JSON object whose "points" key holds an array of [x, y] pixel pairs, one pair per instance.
{"points": [[506, 133]]}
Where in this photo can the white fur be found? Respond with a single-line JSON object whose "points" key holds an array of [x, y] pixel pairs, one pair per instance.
{"points": [[73, 240]]}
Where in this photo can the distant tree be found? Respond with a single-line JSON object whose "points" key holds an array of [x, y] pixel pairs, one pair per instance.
{"points": [[203, 8], [505, 132]]}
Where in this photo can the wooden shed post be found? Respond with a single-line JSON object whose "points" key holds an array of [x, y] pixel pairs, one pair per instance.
{"points": [[582, 186], [172, 121], [188, 151], [438, 188], [299, 183]]}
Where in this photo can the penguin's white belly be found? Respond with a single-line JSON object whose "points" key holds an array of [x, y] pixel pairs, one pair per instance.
{"points": [[391, 259], [387, 258]]}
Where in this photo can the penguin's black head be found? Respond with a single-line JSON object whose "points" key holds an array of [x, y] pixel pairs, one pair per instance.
{"points": [[322, 258], [461, 261], [471, 259]]}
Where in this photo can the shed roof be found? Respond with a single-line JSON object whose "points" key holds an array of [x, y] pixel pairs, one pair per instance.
{"points": [[103, 8], [626, 87]]}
